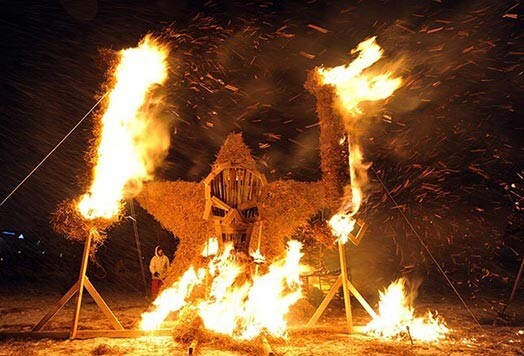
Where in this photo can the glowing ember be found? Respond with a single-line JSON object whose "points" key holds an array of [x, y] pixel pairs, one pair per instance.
{"points": [[354, 86], [396, 316], [239, 304], [127, 154]]}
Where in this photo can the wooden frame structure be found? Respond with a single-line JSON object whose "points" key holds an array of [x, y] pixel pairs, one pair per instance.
{"points": [[232, 194], [347, 287], [78, 289]]}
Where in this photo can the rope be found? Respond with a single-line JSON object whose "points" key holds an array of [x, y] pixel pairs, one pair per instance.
{"points": [[440, 269], [138, 245], [52, 151]]}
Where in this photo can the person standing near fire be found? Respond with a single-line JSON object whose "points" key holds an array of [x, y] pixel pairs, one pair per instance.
{"points": [[158, 267]]}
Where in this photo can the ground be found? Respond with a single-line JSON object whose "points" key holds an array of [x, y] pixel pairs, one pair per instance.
{"points": [[21, 310]]}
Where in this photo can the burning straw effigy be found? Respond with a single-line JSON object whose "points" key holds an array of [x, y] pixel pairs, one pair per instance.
{"points": [[284, 206], [236, 272]]}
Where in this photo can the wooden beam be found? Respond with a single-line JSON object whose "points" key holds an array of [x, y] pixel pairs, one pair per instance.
{"points": [[361, 299], [57, 307], [84, 334], [219, 203], [325, 302], [102, 305]]}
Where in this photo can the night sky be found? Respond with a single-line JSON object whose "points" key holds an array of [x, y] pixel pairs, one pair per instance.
{"points": [[448, 144]]}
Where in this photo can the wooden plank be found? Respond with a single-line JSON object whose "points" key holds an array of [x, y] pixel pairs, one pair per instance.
{"points": [[57, 307], [102, 305], [84, 334], [63, 334], [219, 203]]}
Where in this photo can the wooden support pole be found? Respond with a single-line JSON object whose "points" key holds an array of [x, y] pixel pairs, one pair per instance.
{"points": [[345, 287], [81, 280]]}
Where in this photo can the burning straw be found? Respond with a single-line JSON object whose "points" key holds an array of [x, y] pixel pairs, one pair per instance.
{"points": [[126, 153]]}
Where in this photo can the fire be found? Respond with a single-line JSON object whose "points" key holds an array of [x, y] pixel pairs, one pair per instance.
{"points": [[210, 247], [396, 317], [353, 85], [239, 303], [127, 155]]}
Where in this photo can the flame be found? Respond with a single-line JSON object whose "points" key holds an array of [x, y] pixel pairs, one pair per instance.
{"points": [[210, 247], [352, 87], [127, 155], [239, 303], [258, 257], [396, 317], [172, 299]]}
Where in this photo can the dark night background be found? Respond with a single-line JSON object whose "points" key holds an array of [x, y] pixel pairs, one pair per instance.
{"points": [[448, 144]]}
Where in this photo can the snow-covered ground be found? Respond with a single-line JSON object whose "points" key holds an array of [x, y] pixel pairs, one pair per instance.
{"points": [[21, 311]]}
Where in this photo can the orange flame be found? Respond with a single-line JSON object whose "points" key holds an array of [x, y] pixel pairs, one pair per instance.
{"points": [[396, 317], [237, 306], [126, 155], [352, 87]]}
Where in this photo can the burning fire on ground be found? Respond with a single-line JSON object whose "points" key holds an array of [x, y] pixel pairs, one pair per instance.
{"points": [[396, 317], [237, 302]]}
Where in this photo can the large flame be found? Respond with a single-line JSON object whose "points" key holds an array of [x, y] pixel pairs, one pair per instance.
{"points": [[396, 317], [239, 303], [132, 141], [353, 85]]}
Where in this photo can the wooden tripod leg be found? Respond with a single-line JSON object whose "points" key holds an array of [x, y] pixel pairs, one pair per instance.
{"points": [[361, 299], [81, 280], [325, 302], [345, 286], [102, 305], [58, 306]]}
